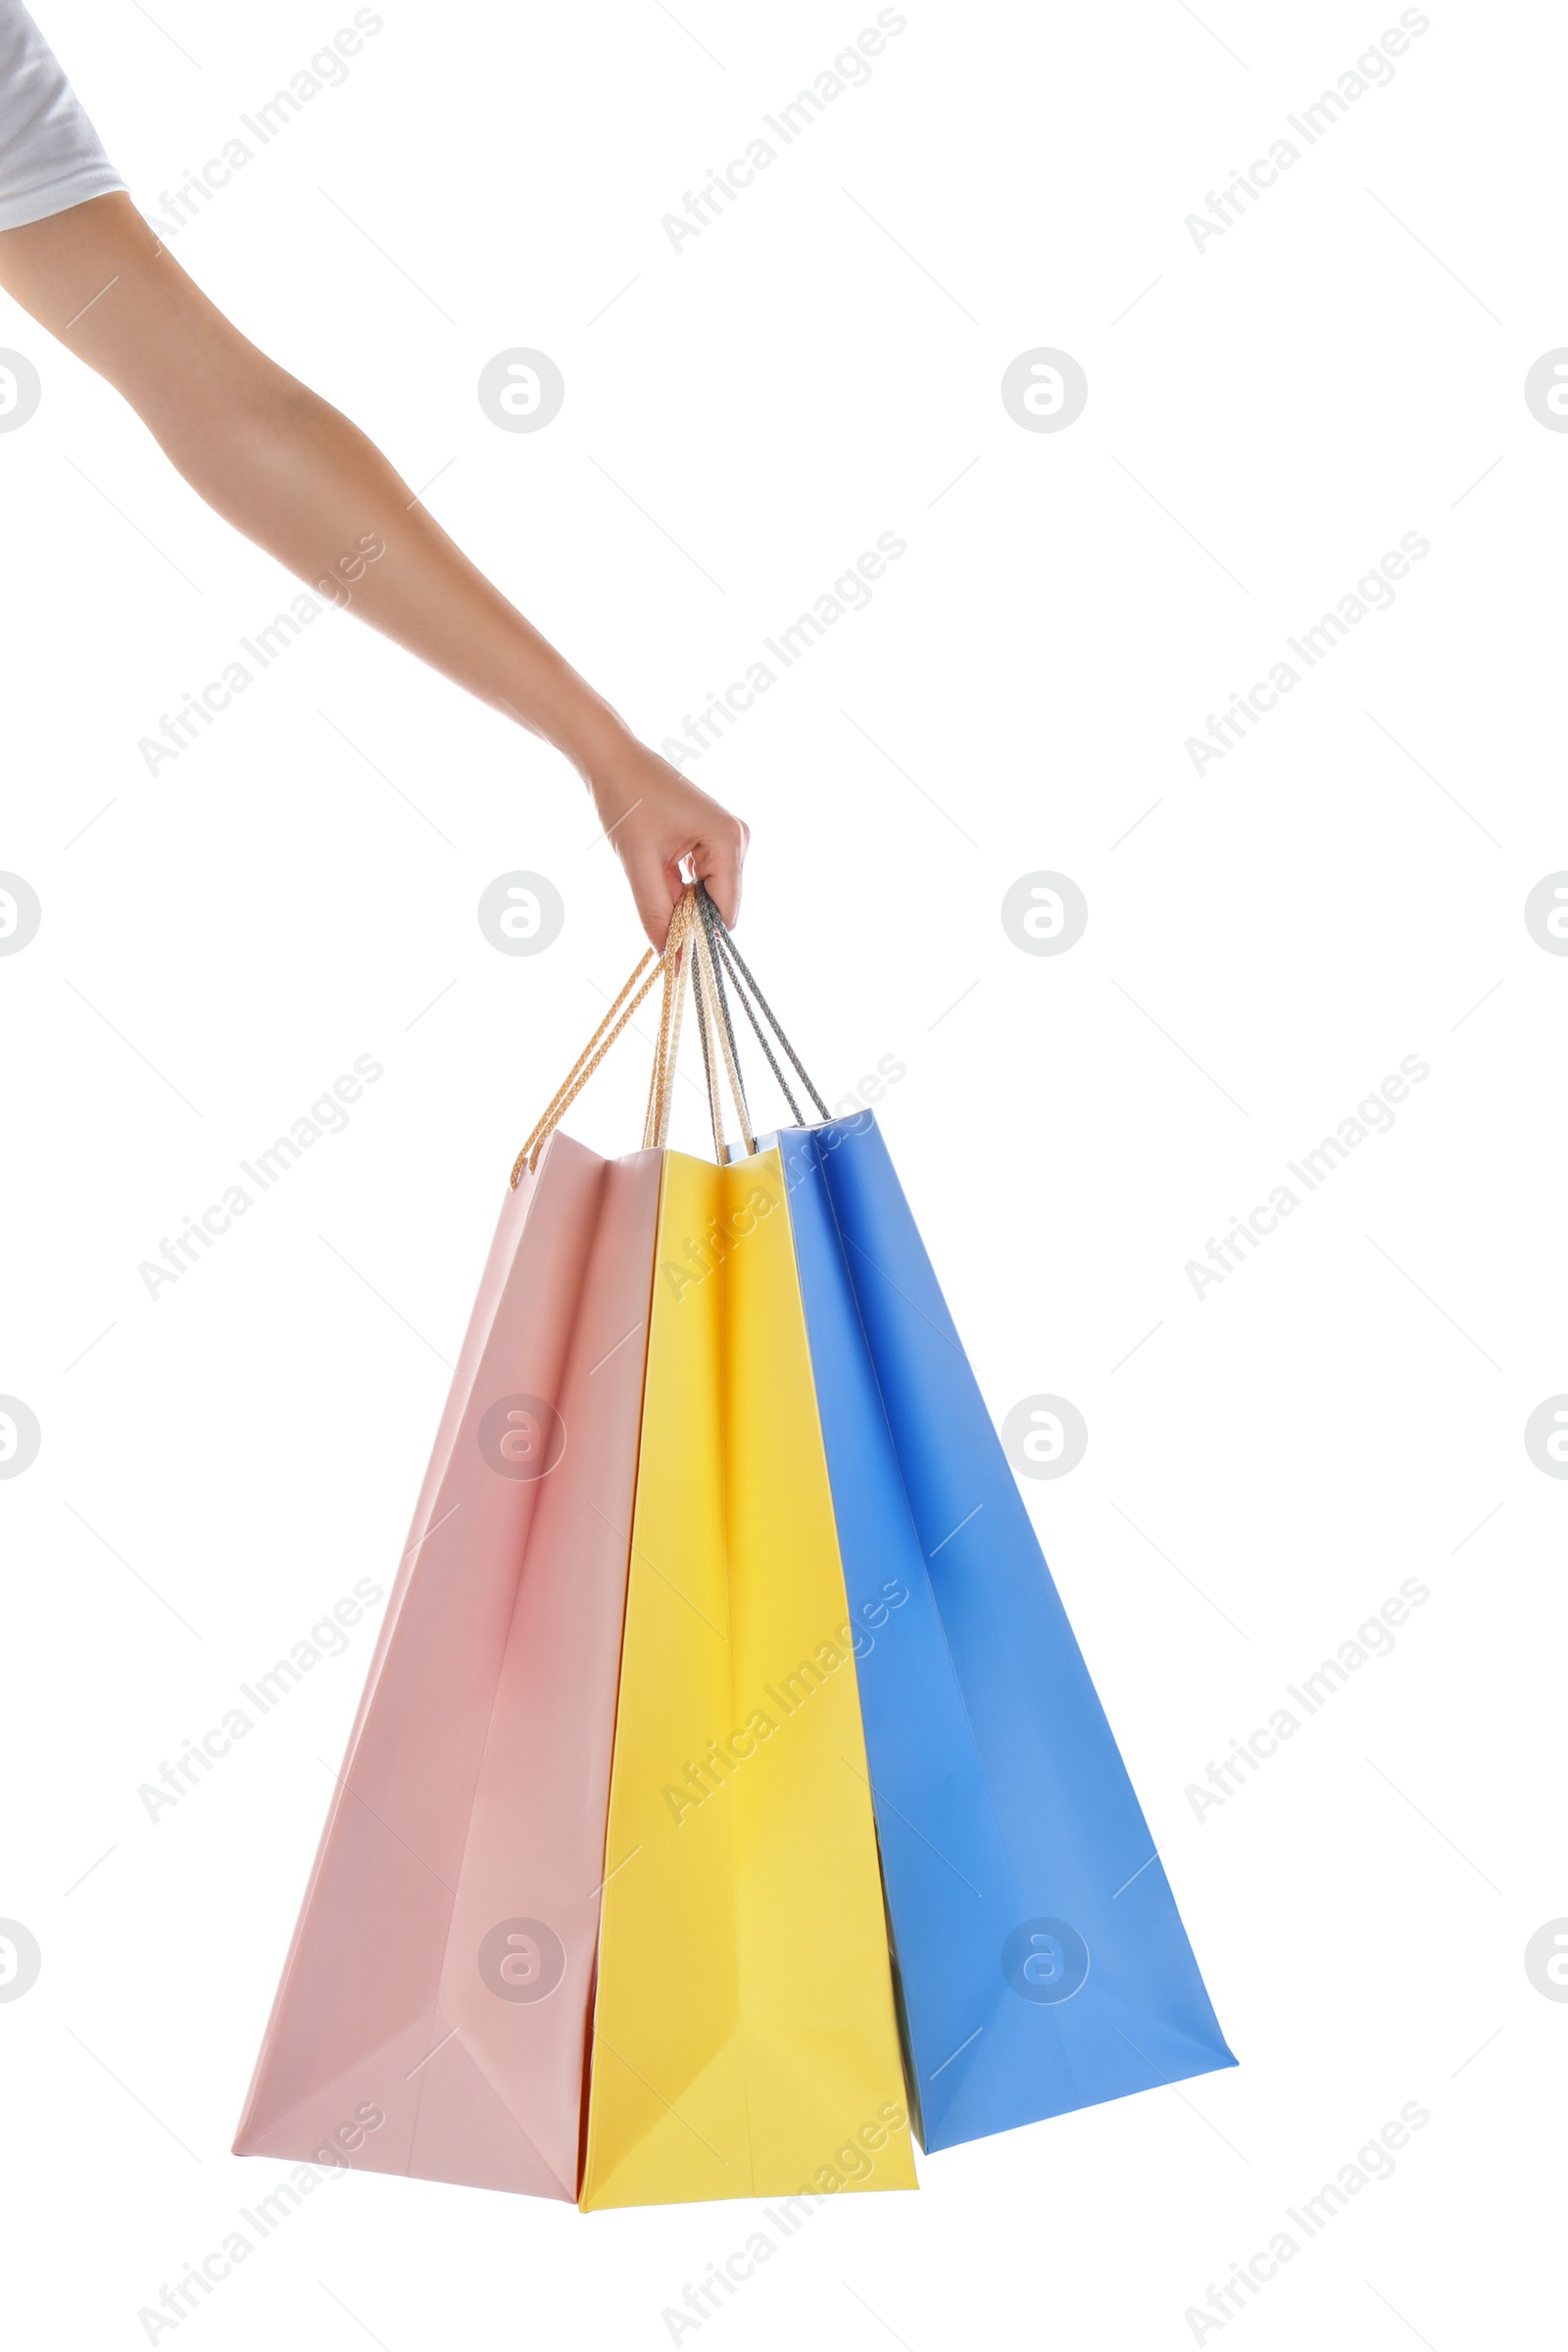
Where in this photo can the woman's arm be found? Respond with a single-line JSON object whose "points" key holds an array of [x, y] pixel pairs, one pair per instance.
{"points": [[302, 481]]}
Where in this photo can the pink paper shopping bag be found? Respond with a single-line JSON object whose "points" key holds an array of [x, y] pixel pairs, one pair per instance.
{"points": [[433, 2008]]}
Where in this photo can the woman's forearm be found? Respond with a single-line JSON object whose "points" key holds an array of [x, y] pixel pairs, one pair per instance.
{"points": [[286, 468], [306, 483]]}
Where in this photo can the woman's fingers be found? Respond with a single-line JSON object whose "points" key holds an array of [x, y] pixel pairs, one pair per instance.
{"points": [[717, 863]]}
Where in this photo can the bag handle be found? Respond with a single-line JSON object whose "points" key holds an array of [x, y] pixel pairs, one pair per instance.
{"points": [[656, 1118], [686, 951], [684, 947], [717, 1036], [698, 944], [728, 954], [588, 1061]]}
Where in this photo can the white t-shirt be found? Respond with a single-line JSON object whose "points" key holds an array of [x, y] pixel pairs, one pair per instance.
{"points": [[50, 154]]}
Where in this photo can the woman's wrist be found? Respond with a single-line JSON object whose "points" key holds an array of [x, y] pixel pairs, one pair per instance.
{"points": [[566, 710]]}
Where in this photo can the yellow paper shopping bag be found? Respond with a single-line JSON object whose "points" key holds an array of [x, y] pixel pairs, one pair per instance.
{"points": [[744, 2035]]}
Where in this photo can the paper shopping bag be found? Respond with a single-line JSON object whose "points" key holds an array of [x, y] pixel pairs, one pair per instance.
{"points": [[1042, 1962], [723, 1650], [432, 2013], [744, 2035]]}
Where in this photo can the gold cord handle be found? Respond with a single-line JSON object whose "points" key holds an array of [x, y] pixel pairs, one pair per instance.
{"points": [[588, 1061], [660, 1084], [720, 1043], [686, 951]]}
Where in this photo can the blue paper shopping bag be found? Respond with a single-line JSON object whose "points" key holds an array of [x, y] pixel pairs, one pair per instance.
{"points": [[1040, 1959]]}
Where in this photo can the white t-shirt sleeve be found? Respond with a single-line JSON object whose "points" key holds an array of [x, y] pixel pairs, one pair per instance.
{"points": [[50, 154]]}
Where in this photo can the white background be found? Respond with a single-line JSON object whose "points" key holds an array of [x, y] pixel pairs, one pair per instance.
{"points": [[1341, 367]]}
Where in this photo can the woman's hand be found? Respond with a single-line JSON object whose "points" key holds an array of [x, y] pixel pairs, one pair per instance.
{"points": [[654, 819]]}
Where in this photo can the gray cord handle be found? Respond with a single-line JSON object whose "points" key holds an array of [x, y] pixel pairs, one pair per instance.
{"points": [[726, 956]]}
